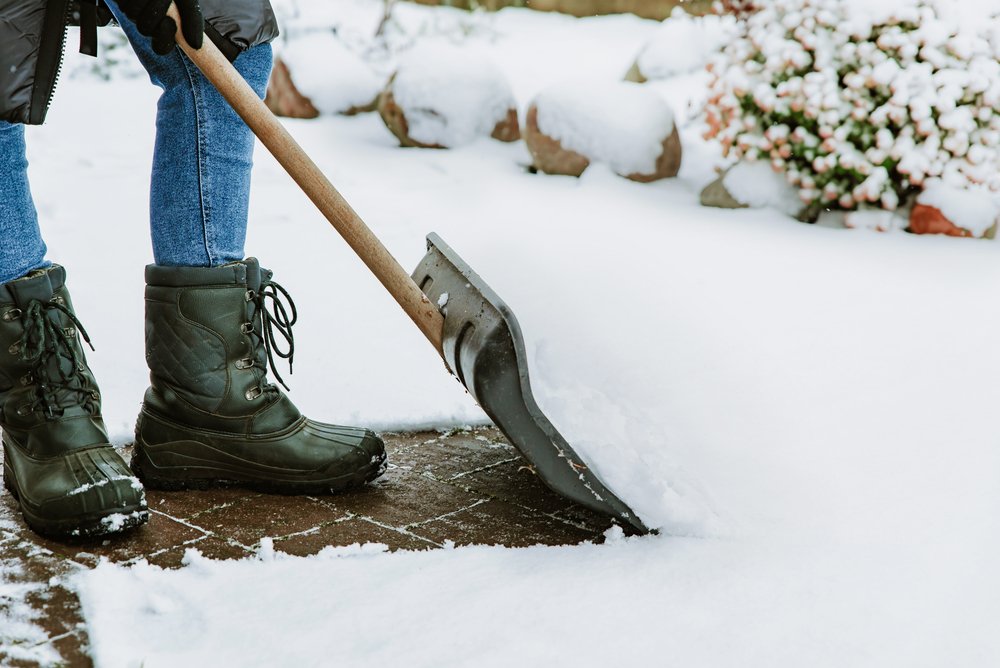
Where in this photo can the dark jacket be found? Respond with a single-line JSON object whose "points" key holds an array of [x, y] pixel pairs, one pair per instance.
{"points": [[33, 37]]}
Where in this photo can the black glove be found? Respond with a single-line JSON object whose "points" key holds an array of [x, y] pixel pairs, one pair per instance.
{"points": [[151, 19]]}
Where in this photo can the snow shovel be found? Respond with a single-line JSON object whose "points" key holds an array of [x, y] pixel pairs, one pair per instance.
{"points": [[475, 332]]}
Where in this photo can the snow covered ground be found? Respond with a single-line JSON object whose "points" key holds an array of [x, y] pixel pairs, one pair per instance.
{"points": [[21, 638], [808, 414]]}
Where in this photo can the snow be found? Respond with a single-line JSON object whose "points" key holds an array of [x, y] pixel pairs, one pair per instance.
{"points": [[116, 521], [333, 77], [877, 220], [975, 210], [136, 484], [640, 601], [684, 44], [21, 639], [756, 184], [450, 97], [619, 123], [960, 12], [807, 414]]}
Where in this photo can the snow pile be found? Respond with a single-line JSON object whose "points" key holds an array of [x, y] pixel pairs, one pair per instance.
{"points": [[668, 601], [757, 185], [621, 124], [684, 43], [861, 102], [876, 220], [333, 77], [975, 210], [450, 96]]}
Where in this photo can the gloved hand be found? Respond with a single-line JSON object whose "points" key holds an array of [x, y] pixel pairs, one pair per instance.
{"points": [[151, 19]]}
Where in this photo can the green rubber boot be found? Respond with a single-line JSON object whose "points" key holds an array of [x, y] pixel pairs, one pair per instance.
{"points": [[68, 479], [210, 416]]}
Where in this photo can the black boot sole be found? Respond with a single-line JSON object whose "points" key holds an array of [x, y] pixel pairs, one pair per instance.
{"points": [[86, 526], [205, 476]]}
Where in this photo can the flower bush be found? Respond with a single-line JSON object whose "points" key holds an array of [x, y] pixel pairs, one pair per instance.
{"points": [[738, 8], [860, 106]]}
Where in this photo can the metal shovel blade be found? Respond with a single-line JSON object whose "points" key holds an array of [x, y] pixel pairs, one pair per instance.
{"points": [[484, 348]]}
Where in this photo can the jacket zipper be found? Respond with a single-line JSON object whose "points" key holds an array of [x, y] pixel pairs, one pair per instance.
{"points": [[50, 58]]}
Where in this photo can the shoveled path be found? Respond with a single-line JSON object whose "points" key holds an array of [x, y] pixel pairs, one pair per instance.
{"points": [[465, 486]]}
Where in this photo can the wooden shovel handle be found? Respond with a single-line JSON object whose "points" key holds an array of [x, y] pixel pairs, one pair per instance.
{"points": [[218, 70]]}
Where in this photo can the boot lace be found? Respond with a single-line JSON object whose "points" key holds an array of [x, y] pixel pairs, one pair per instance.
{"points": [[47, 347], [275, 313]]}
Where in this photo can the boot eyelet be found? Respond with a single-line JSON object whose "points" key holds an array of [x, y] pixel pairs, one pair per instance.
{"points": [[24, 410], [70, 332], [15, 348], [251, 295], [245, 364], [96, 396], [246, 327], [27, 379], [253, 393], [57, 300], [12, 314]]}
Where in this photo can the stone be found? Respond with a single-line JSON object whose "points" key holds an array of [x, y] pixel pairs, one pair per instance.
{"points": [[668, 164], [926, 219], [318, 74], [283, 98], [635, 74], [682, 44], [755, 185], [395, 119], [550, 156], [507, 130], [440, 97], [715, 195]]}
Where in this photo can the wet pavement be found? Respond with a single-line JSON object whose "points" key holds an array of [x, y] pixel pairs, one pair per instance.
{"points": [[463, 486]]}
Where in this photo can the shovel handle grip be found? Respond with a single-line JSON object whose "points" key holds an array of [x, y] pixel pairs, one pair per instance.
{"points": [[273, 135]]}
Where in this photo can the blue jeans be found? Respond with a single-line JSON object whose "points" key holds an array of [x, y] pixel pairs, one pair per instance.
{"points": [[200, 187]]}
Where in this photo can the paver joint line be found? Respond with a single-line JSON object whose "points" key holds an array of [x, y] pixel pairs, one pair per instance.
{"points": [[180, 521], [401, 530], [482, 469], [479, 502]]}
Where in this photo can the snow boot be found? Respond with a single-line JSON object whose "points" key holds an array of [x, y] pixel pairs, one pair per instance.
{"points": [[58, 463], [209, 416]]}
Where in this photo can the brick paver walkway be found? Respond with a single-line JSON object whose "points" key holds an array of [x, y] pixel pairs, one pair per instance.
{"points": [[467, 486]]}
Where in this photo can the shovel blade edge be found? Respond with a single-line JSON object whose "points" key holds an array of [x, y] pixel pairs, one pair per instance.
{"points": [[484, 349]]}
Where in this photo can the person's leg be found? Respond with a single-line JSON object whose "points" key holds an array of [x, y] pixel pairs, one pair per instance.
{"points": [[200, 190], [21, 247], [57, 462], [209, 399]]}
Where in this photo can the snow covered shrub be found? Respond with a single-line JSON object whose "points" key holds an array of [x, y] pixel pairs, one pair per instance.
{"points": [[860, 103], [682, 44], [442, 97], [738, 8], [625, 125]]}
